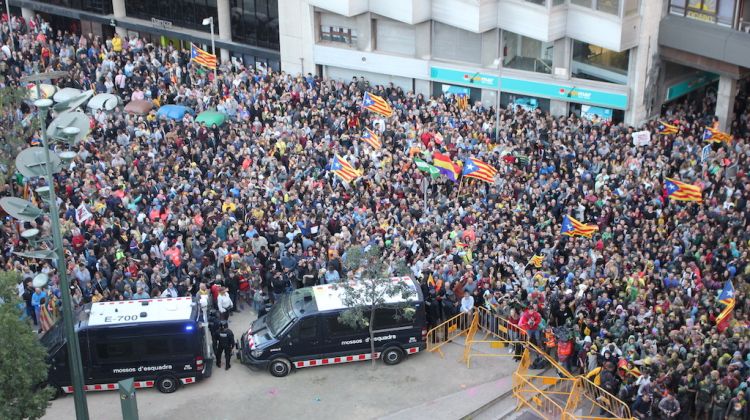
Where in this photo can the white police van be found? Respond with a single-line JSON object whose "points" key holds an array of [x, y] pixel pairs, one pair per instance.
{"points": [[303, 330], [158, 342]]}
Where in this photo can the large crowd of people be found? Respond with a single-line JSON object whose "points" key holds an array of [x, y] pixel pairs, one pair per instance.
{"points": [[248, 210]]}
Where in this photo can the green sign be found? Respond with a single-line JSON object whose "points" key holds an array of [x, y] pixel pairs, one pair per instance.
{"points": [[465, 78], [686, 86], [565, 93]]}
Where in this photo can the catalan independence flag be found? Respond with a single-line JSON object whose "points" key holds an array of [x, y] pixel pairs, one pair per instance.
{"points": [[536, 261], [344, 170], [446, 166], [201, 57], [573, 227], [372, 139], [726, 297], [665, 128], [715, 136], [475, 168], [681, 191], [376, 104]]}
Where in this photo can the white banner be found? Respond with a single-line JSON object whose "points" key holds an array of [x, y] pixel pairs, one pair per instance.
{"points": [[641, 138], [83, 214]]}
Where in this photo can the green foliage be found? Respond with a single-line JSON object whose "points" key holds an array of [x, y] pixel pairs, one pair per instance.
{"points": [[15, 129], [369, 286], [22, 358]]}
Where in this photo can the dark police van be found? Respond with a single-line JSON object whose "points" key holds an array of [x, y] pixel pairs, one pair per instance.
{"points": [[302, 330], [158, 342]]}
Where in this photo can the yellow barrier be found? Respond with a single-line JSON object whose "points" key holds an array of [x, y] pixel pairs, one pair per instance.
{"points": [[537, 400], [447, 332], [549, 396], [473, 328]]}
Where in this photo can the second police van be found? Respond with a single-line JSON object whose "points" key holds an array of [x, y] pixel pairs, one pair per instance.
{"points": [[303, 330]]}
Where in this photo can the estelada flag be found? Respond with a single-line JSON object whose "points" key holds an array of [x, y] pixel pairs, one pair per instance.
{"points": [[202, 57], [682, 191], [376, 104], [573, 227]]}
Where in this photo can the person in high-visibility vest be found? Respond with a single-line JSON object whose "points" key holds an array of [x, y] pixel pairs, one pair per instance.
{"points": [[549, 342]]}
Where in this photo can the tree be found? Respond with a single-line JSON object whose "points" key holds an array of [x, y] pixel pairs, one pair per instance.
{"points": [[17, 128], [369, 287], [22, 358]]}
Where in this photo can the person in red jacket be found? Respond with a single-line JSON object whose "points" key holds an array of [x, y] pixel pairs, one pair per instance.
{"points": [[529, 322]]}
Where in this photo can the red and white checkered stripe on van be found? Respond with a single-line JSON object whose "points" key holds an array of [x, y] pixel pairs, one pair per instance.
{"points": [[343, 359], [112, 387]]}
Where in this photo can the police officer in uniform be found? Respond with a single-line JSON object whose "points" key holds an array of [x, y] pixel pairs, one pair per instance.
{"points": [[225, 345], [722, 395], [213, 327]]}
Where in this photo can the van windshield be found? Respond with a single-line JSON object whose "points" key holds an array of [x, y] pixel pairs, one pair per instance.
{"points": [[53, 338], [280, 316]]}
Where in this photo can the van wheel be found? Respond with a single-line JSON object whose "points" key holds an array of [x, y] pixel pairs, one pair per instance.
{"points": [[57, 392], [167, 384], [280, 368], [392, 356]]}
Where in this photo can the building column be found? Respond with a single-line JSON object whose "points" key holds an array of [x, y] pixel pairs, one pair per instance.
{"points": [[423, 40], [725, 102], [298, 25], [562, 56], [364, 32], [558, 108], [27, 14], [118, 11], [645, 67], [225, 26]]}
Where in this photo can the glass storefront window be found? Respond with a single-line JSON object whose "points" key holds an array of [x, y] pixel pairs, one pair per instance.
{"points": [[255, 22], [338, 34], [584, 3], [597, 63], [103, 7], [608, 6], [712, 11], [540, 2], [184, 13], [524, 53]]}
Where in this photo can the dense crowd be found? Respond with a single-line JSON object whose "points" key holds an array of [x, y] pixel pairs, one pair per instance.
{"points": [[246, 211]]}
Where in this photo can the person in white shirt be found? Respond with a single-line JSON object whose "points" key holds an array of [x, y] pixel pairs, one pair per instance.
{"points": [[224, 302], [467, 303]]}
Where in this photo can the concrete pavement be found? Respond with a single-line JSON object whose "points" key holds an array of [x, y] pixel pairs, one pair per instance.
{"points": [[347, 391]]}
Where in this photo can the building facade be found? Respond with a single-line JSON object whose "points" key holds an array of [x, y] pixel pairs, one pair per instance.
{"points": [[596, 57], [247, 30]]}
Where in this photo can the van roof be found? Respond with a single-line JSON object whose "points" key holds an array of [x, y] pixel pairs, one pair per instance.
{"points": [[140, 311], [328, 297]]}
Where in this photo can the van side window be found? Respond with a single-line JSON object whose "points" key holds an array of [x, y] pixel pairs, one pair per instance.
{"points": [[308, 329], [157, 347], [114, 351], [337, 328], [391, 318]]}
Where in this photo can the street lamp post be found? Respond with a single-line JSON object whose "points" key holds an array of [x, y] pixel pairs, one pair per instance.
{"points": [[496, 63], [210, 21], [40, 162], [74, 349]]}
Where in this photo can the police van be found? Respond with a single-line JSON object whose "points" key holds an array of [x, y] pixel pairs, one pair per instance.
{"points": [[303, 330], [158, 342]]}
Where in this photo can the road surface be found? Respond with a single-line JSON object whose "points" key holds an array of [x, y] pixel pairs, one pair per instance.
{"points": [[347, 391]]}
